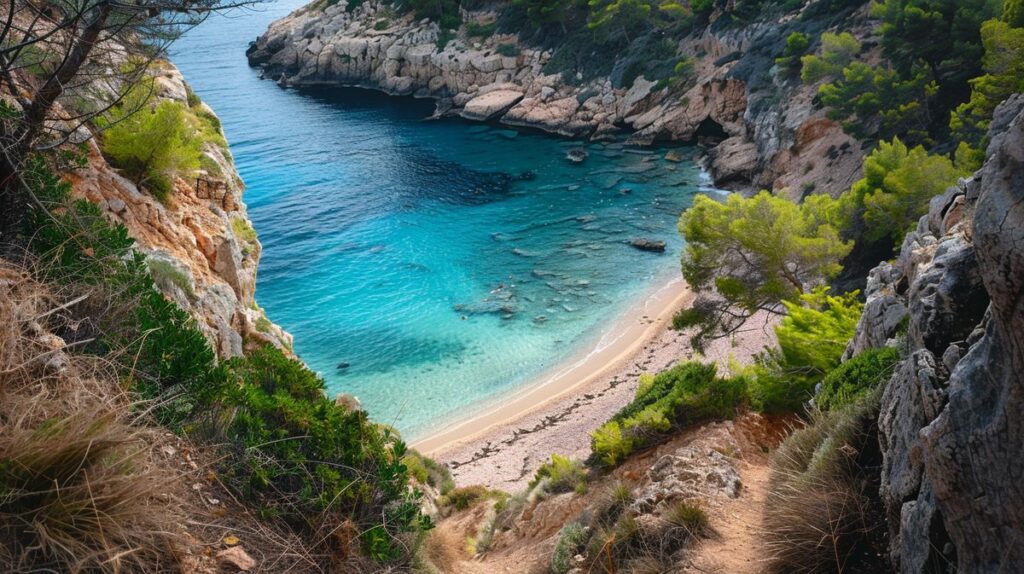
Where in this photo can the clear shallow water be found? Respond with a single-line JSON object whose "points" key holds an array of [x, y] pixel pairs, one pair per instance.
{"points": [[418, 252]]}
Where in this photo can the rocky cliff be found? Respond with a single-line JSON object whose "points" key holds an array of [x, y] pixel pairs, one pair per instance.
{"points": [[200, 245], [763, 126], [951, 421]]}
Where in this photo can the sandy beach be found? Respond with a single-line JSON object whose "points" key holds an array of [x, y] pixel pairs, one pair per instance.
{"points": [[502, 447]]}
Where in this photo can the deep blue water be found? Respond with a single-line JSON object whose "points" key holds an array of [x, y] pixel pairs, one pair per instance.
{"points": [[418, 252]]}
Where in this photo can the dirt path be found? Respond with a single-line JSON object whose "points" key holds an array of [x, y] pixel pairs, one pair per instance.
{"points": [[735, 547]]}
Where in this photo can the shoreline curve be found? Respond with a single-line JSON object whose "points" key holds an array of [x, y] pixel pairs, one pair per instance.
{"points": [[638, 325]]}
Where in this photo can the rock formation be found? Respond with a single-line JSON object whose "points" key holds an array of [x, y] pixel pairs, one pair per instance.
{"points": [[951, 430], [200, 246], [764, 126]]}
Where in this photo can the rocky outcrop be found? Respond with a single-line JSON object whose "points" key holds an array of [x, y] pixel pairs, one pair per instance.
{"points": [[200, 245], [763, 127], [951, 430]]}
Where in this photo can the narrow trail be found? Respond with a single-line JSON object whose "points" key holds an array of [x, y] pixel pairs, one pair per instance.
{"points": [[735, 546]]}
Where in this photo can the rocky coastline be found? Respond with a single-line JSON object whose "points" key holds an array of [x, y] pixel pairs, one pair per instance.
{"points": [[761, 129]]}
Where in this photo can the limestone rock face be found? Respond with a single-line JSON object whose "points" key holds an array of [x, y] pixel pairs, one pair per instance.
{"points": [[200, 246], [952, 417], [774, 136]]}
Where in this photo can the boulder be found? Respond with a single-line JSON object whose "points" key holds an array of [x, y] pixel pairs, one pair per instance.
{"points": [[644, 244], [491, 104]]}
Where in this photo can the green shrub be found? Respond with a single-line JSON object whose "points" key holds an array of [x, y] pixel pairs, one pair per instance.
{"points": [[563, 475], [243, 230], [750, 254], [508, 50], [685, 395], [299, 454], [191, 98], [879, 102], [150, 143], [571, 539], [797, 44], [850, 380], [443, 38], [164, 354], [1004, 76], [165, 274], [464, 497], [812, 338], [444, 12], [428, 471], [688, 516], [477, 30], [416, 468], [898, 182], [837, 51]]}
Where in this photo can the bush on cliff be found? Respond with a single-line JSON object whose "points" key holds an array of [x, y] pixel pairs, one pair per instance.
{"points": [[298, 454], [562, 474], [857, 376], [932, 49], [837, 51], [150, 142], [812, 338], [685, 395], [1004, 76], [898, 182]]}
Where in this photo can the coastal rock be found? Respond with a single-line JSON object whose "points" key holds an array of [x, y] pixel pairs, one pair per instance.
{"points": [[652, 245], [776, 136], [199, 246], [490, 104]]}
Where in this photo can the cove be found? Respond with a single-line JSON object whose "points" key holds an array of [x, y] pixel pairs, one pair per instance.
{"points": [[440, 264]]}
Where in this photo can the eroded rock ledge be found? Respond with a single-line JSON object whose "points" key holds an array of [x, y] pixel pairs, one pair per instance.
{"points": [[952, 420], [770, 136], [200, 246]]}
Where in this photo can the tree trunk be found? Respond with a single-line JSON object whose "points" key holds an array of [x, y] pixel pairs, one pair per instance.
{"points": [[12, 192]]}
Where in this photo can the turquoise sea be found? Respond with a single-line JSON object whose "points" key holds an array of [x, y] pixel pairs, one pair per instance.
{"points": [[445, 263]]}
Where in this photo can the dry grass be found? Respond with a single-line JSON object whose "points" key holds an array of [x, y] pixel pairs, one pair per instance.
{"points": [[822, 513], [81, 487]]}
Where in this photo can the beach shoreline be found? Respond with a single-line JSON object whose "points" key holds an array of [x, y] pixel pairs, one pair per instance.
{"points": [[643, 321], [502, 446]]}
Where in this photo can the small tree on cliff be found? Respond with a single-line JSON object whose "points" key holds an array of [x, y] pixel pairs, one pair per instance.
{"points": [[64, 63], [751, 254]]}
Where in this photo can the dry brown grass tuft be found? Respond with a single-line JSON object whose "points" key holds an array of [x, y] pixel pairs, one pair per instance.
{"points": [[81, 488], [822, 513]]}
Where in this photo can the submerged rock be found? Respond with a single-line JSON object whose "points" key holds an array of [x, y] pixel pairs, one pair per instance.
{"points": [[644, 244], [576, 155]]}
